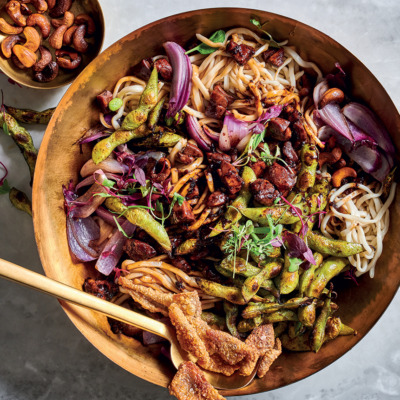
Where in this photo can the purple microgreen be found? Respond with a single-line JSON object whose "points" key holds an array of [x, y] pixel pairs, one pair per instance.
{"points": [[140, 176], [297, 248], [351, 274]]}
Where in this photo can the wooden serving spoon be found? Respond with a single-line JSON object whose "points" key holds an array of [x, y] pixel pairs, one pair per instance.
{"points": [[49, 286]]}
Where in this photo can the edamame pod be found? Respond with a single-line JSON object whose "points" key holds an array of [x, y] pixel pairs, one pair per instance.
{"points": [[232, 294], [298, 343], [232, 313], [213, 319], [27, 116], [317, 335], [309, 164], [288, 280], [308, 275]]}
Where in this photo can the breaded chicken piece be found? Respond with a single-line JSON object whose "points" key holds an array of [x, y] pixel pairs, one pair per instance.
{"points": [[189, 303], [189, 383], [217, 364], [268, 358], [148, 304]]}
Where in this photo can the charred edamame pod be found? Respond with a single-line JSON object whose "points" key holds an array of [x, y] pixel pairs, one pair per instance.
{"points": [[288, 280], [332, 247], [241, 267], [255, 309], [20, 201], [232, 294], [307, 314], [232, 214], [133, 126], [22, 138], [308, 275], [298, 343], [280, 316], [232, 313], [252, 284], [346, 330], [142, 219], [317, 335], [160, 138], [324, 273], [332, 328], [155, 113], [309, 164], [279, 328], [187, 247], [27, 116]]}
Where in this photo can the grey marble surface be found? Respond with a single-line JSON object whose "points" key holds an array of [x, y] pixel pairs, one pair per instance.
{"points": [[43, 356]]}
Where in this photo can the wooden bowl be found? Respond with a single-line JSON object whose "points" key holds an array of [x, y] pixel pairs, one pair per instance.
{"points": [[64, 77], [60, 160]]}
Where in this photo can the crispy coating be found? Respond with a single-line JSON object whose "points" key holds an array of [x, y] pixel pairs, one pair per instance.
{"points": [[189, 383], [268, 358]]}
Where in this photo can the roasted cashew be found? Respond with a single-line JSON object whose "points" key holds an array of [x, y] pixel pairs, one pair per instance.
{"points": [[342, 173], [51, 4], [42, 22], [40, 5], [13, 9], [8, 43], [48, 73], [68, 20], [72, 62], [8, 29], [68, 35], [59, 9], [56, 38], [78, 39], [330, 157], [32, 38], [16, 62], [333, 95], [45, 59], [88, 21], [26, 57]]}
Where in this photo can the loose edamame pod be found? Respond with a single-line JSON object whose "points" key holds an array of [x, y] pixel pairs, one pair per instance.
{"points": [[133, 125], [160, 138], [332, 247], [288, 280], [317, 335], [142, 219], [232, 214], [232, 313], [309, 164], [298, 343], [324, 273], [232, 294], [27, 116], [307, 314], [20, 201], [308, 275], [187, 247], [155, 113]]}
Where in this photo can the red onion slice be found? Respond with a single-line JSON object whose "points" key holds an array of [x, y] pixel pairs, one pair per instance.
{"points": [[333, 117], [237, 129], [77, 252], [108, 216], [85, 232], [109, 165], [196, 132], [319, 91], [224, 142]]}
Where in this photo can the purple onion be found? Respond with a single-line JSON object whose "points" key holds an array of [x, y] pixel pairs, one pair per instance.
{"points": [[319, 91], [113, 249], [108, 216], [85, 231], [210, 133], [109, 165], [236, 129], [196, 133], [78, 253], [94, 134], [181, 77], [271, 112], [333, 117]]}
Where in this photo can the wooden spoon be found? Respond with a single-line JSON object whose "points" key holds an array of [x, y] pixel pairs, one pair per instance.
{"points": [[49, 286]]}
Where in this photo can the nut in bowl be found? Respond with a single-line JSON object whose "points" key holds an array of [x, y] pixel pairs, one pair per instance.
{"points": [[359, 307], [46, 44]]}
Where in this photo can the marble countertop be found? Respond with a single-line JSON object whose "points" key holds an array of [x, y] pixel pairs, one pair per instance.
{"points": [[44, 357]]}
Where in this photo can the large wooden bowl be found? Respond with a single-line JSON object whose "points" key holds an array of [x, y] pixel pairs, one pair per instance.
{"points": [[60, 160]]}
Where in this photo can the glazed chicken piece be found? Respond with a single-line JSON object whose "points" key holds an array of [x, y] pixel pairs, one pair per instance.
{"points": [[240, 52], [230, 177], [100, 288], [219, 102], [138, 250]]}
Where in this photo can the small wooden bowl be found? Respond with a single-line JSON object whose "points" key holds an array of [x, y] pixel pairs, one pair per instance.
{"points": [[60, 160], [64, 77]]}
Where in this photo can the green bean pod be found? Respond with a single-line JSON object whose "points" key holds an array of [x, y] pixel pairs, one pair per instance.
{"points": [[155, 113], [20, 201], [232, 313], [133, 126], [213, 319], [288, 280], [307, 314], [160, 138], [142, 219], [308, 275], [187, 247], [232, 294], [27, 116], [255, 309], [324, 273], [298, 343], [23, 140], [232, 214], [332, 247], [309, 164], [317, 335]]}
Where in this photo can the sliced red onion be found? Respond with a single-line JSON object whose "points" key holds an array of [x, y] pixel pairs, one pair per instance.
{"points": [[360, 136], [181, 77], [196, 133], [319, 91], [243, 143], [224, 142], [94, 134], [108, 117], [236, 129], [78, 253], [333, 117], [108, 216], [113, 249], [211, 134], [85, 232], [325, 132], [271, 112], [109, 165], [89, 180], [367, 121]]}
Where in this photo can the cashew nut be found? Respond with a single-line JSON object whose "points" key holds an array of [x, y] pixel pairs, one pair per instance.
{"points": [[71, 63], [56, 38], [25, 9], [32, 38], [342, 173], [51, 3], [48, 73], [40, 5], [330, 157], [59, 9], [45, 59], [13, 9], [333, 95], [68, 35], [8, 43], [25, 56], [8, 29], [16, 62], [68, 20], [78, 40], [88, 21], [340, 164], [42, 22]]}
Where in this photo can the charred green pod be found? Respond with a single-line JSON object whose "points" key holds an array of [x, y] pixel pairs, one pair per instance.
{"points": [[309, 164]]}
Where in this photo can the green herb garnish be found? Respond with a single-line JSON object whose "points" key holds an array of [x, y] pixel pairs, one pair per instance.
{"points": [[5, 187], [202, 48], [271, 40], [5, 129], [121, 229]]}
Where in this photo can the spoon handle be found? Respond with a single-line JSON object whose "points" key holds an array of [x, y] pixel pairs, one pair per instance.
{"points": [[49, 286]]}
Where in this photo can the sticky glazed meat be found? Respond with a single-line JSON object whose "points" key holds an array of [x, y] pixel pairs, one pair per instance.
{"points": [[230, 177], [242, 53], [219, 102], [264, 192], [101, 288], [280, 177]]}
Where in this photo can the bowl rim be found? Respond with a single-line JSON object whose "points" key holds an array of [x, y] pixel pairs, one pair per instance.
{"points": [[36, 197]]}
